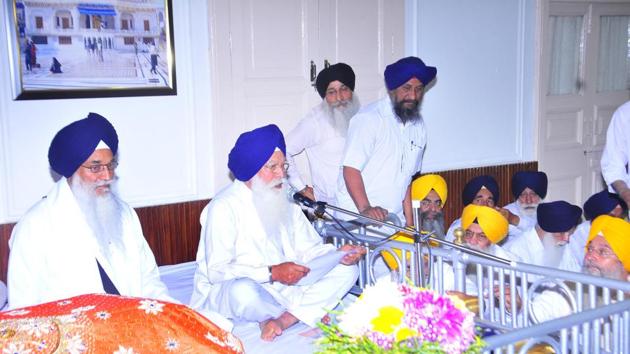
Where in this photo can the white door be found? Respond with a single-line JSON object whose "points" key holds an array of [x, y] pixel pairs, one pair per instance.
{"points": [[262, 54], [582, 63]]}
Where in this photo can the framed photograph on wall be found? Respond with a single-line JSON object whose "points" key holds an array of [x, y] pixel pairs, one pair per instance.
{"points": [[107, 48]]}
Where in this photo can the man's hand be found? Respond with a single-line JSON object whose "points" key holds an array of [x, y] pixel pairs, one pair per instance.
{"points": [[511, 218], [308, 192], [508, 297], [288, 273], [354, 254], [622, 189], [376, 212]]}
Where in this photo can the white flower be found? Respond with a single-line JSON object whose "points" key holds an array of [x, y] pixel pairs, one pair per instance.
{"points": [[64, 302], [75, 345], [103, 315], [214, 339], [35, 328], [83, 309], [233, 343], [65, 319], [17, 312], [171, 344], [16, 349], [151, 307], [123, 350]]}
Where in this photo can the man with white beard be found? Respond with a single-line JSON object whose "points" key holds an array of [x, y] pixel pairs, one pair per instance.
{"points": [[529, 188], [545, 243], [254, 246], [321, 134], [81, 238]]}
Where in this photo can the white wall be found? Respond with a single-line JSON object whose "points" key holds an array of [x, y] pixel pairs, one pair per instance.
{"points": [[165, 146], [480, 110]]}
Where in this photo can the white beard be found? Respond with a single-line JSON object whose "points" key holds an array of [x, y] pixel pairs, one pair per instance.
{"points": [[339, 114], [272, 207], [102, 213], [552, 253], [528, 209]]}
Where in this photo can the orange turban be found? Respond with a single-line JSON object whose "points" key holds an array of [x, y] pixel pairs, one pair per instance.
{"points": [[420, 187], [493, 224], [616, 231]]}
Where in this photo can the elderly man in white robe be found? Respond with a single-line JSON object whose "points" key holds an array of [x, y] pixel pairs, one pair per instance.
{"points": [[321, 134], [255, 244], [529, 188], [545, 244], [81, 238]]}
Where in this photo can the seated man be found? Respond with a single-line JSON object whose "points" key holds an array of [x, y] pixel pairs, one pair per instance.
{"points": [[484, 229], [545, 243], [254, 243], [602, 203], [81, 238], [529, 188], [431, 191]]}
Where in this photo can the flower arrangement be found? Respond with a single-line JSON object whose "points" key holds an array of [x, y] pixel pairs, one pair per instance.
{"points": [[399, 318]]}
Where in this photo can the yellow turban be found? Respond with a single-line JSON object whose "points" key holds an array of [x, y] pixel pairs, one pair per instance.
{"points": [[616, 231], [420, 187], [493, 224]]}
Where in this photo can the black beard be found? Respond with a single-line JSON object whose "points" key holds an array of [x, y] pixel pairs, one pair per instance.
{"points": [[407, 114]]}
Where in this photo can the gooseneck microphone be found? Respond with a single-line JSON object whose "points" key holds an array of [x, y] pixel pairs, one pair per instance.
{"points": [[295, 196]]}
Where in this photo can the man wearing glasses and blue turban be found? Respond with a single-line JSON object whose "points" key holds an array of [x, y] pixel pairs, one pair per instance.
{"points": [[81, 238]]}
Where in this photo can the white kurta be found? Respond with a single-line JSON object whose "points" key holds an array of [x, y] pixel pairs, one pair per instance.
{"points": [[577, 242], [387, 152], [526, 222], [323, 146], [529, 248], [54, 252], [617, 149], [234, 245]]}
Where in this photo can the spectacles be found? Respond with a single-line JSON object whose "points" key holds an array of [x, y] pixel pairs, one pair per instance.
{"points": [[600, 252], [427, 202], [101, 167], [469, 235], [275, 167]]}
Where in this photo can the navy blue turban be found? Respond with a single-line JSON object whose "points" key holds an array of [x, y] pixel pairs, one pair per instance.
{"points": [[253, 149], [601, 203], [338, 72], [536, 181], [403, 70], [474, 185], [73, 144], [558, 216]]}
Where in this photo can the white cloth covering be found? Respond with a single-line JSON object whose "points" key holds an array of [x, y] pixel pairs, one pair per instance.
{"points": [[526, 222], [529, 248], [323, 146], [617, 149], [54, 252], [234, 245], [387, 152], [577, 242]]}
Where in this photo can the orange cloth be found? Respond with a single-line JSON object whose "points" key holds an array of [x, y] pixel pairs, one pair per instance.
{"points": [[99, 323]]}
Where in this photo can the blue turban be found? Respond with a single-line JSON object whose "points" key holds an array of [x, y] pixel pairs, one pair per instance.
{"points": [[558, 216], [403, 70], [601, 203], [474, 185], [338, 72], [536, 181], [74, 144], [253, 149]]}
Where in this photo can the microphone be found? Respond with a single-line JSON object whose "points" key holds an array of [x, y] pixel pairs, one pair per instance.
{"points": [[296, 197]]}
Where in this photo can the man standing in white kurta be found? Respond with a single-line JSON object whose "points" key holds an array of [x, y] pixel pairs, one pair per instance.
{"points": [[254, 246], [321, 134], [616, 153], [385, 145], [81, 238]]}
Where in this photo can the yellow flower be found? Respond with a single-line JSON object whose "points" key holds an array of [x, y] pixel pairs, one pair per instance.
{"points": [[405, 333], [389, 317]]}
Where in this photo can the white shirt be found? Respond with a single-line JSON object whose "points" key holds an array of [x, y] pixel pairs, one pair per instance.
{"points": [[526, 222], [617, 149], [387, 152], [577, 242], [54, 252], [323, 146]]}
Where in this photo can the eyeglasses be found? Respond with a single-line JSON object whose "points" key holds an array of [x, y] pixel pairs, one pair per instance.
{"points": [[600, 252], [469, 235], [275, 167], [427, 202], [101, 167]]}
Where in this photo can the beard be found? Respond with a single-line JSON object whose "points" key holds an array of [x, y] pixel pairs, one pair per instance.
{"points": [[340, 112], [592, 268], [553, 251], [527, 209], [432, 224], [103, 213], [406, 110], [272, 207]]}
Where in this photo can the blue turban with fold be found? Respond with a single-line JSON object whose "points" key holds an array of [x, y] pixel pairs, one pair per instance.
{"points": [[74, 143], [536, 181], [601, 203], [474, 185], [403, 70], [558, 216], [253, 149]]}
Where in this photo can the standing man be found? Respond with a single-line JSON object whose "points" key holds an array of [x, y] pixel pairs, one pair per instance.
{"points": [[321, 134], [385, 145], [617, 153], [81, 238]]}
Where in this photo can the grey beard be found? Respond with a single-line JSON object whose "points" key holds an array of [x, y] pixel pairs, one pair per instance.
{"points": [[406, 114], [339, 115], [103, 214], [272, 207], [433, 225]]}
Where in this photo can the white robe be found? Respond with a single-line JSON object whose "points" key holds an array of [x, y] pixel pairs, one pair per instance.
{"points": [[323, 146], [234, 245], [529, 248], [617, 149], [577, 242], [54, 252], [526, 222]]}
